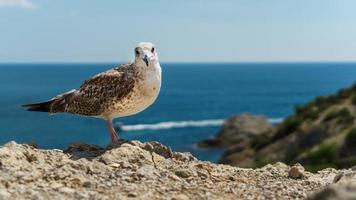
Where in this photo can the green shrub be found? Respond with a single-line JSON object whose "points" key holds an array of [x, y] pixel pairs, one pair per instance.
{"points": [[344, 93], [348, 149], [261, 141], [350, 139], [290, 125], [332, 99], [320, 100], [353, 88], [343, 116], [261, 161], [298, 109], [301, 109], [330, 116], [311, 114], [316, 168], [325, 156], [353, 100], [307, 112], [314, 108], [326, 153]]}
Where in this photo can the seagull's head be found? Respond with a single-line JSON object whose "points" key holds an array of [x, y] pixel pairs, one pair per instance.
{"points": [[146, 53]]}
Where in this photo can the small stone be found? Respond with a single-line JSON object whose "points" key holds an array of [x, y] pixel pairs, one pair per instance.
{"points": [[202, 174], [183, 173], [131, 195], [338, 177], [32, 144], [4, 194], [181, 197], [114, 165], [30, 157], [174, 177], [185, 157], [296, 171], [87, 184], [353, 168], [159, 149], [66, 190], [56, 185]]}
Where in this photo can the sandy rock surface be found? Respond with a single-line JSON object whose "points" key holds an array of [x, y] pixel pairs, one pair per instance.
{"points": [[149, 170]]}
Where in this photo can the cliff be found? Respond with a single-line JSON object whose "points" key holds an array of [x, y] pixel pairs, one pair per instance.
{"points": [[320, 134], [151, 170]]}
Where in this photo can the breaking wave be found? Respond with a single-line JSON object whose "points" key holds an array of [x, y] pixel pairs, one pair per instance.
{"points": [[181, 124]]}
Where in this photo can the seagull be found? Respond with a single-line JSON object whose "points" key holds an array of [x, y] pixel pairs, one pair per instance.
{"points": [[122, 91]]}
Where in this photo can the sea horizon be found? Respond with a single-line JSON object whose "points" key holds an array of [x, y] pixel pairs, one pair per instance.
{"points": [[181, 62]]}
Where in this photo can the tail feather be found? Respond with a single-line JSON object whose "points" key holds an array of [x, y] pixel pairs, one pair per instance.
{"points": [[55, 105], [40, 107]]}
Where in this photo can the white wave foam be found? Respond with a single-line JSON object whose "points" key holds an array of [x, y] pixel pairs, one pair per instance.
{"points": [[181, 124], [275, 120], [172, 124]]}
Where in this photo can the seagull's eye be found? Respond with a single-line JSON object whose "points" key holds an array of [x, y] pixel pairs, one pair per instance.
{"points": [[137, 52], [153, 49]]}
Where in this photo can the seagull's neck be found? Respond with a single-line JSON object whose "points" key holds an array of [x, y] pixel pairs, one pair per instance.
{"points": [[157, 68], [152, 67]]}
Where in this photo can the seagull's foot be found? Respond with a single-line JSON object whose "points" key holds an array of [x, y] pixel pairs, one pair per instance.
{"points": [[114, 137], [117, 143]]}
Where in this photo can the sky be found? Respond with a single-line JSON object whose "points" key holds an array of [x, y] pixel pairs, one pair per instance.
{"points": [[182, 30]]}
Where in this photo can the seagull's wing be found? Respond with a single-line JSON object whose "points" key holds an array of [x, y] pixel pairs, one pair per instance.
{"points": [[116, 82], [94, 95]]}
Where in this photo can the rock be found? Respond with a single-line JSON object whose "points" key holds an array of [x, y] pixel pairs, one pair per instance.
{"points": [[78, 151], [343, 187], [147, 170], [296, 171], [4, 194], [183, 173], [32, 144], [346, 178], [340, 192], [181, 197], [30, 157], [184, 157], [210, 142], [131, 194], [239, 129], [158, 148]]}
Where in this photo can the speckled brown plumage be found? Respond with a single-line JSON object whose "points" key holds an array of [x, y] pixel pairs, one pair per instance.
{"points": [[96, 94]]}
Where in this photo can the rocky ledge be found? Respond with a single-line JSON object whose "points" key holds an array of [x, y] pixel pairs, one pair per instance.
{"points": [[151, 170], [238, 131]]}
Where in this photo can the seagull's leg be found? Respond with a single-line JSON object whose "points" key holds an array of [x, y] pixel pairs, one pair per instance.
{"points": [[113, 134]]}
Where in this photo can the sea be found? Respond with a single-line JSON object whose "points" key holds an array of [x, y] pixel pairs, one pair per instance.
{"points": [[195, 99]]}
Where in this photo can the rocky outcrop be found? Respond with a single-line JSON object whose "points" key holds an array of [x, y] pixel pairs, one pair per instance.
{"points": [[343, 188], [320, 134], [136, 170], [239, 130]]}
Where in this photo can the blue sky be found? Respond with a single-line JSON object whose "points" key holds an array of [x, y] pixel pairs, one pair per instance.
{"points": [[183, 30]]}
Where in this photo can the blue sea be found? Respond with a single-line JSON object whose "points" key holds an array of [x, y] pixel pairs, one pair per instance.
{"points": [[194, 100]]}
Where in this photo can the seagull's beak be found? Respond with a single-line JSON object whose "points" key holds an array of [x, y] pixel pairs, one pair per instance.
{"points": [[145, 59]]}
